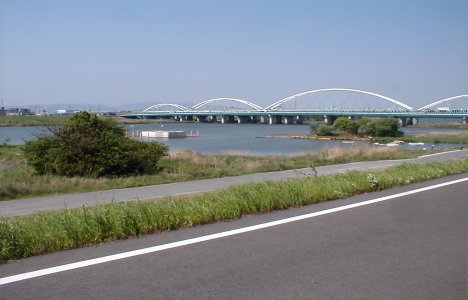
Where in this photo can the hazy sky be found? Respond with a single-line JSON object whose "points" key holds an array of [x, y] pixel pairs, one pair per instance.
{"points": [[185, 51]]}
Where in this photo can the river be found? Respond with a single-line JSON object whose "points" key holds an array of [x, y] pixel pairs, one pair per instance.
{"points": [[229, 138]]}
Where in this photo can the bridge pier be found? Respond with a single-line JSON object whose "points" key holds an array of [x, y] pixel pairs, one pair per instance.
{"points": [[242, 119], [253, 119], [227, 119], [465, 120], [274, 120], [329, 120], [299, 119], [287, 120], [415, 121], [185, 118], [403, 121], [201, 119]]}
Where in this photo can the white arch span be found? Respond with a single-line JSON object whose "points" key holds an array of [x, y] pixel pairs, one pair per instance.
{"points": [[154, 107], [278, 103], [248, 103], [442, 101]]}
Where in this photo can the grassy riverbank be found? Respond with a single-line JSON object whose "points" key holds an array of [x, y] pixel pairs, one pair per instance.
{"points": [[6, 121], [48, 232], [431, 137], [18, 180], [425, 137], [454, 125]]}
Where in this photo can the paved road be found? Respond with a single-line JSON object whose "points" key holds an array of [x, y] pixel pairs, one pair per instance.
{"points": [[37, 204], [408, 247]]}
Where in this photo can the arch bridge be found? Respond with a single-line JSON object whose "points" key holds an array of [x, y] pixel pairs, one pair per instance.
{"points": [[329, 103]]}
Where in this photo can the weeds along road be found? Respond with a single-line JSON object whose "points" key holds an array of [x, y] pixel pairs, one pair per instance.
{"points": [[404, 243], [31, 205]]}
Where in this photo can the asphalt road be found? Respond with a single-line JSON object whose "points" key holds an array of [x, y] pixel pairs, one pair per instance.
{"points": [[37, 204], [406, 247]]}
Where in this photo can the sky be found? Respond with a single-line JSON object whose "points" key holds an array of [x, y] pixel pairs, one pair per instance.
{"points": [[185, 51]]}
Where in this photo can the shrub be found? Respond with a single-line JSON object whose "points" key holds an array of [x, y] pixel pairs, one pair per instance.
{"points": [[378, 127], [343, 124], [93, 147], [325, 130]]}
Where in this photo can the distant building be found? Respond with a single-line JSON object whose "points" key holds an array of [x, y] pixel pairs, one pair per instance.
{"points": [[15, 111], [67, 112]]}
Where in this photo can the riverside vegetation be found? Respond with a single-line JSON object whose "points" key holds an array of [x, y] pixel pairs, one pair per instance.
{"points": [[18, 180], [9, 121], [90, 146], [182, 166], [363, 127], [48, 232], [33, 120], [384, 130], [460, 138], [454, 125]]}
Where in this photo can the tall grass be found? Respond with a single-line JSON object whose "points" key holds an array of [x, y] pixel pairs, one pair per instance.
{"points": [[48, 232], [19, 180]]}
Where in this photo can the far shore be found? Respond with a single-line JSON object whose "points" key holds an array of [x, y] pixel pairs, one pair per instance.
{"points": [[452, 137], [36, 120]]}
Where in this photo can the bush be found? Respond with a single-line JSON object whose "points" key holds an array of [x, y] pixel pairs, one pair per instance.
{"points": [[378, 127], [325, 130], [345, 125], [93, 147]]}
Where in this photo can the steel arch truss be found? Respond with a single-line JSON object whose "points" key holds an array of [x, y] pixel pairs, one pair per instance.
{"points": [[280, 102], [155, 108], [442, 101], [248, 103]]}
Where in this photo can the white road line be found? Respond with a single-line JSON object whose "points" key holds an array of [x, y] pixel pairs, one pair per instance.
{"points": [[440, 153], [205, 238]]}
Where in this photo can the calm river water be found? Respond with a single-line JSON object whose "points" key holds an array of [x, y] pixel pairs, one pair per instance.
{"points": [[227, 138]]}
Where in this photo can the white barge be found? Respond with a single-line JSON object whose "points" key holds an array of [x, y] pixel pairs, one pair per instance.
{"points": [[163, 134], [167, 134]]}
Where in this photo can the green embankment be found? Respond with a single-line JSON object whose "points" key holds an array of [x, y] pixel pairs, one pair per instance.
{"points": [[460, 138], [454, 125], [6, 121], [33, 120], [17, 180], [48, 232]]}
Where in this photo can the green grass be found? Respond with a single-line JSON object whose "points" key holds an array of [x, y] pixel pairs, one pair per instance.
{"points": [[10, 153], [60, 120], [48, 232], [458, 138], [18, 180], [442, 125], [33, 120]]}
